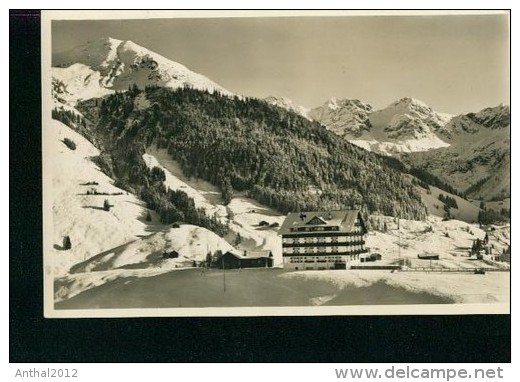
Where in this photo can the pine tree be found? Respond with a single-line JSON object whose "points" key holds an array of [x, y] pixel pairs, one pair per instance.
{"points": [[447, 213], [157, 174], [69, 143], [67, 243], [106, 205], [227, 191], [478, 245], [238, 239]]}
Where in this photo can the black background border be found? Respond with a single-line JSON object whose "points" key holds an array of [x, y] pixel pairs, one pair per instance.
{"points": [[32, 338]]}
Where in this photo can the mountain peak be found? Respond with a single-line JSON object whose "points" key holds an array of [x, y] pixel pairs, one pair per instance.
{"points": [[410, 102], [408, 118], [111, 40], [130, 45], [490, 118], [332, 103], [287, 104], [109, 64], [343, 116], [335, 103], [100, 42]]}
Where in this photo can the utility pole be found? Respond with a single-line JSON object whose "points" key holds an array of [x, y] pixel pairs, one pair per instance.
{"points": [[224, 273], [399, 240]]}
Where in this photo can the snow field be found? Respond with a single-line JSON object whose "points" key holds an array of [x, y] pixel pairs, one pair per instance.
{"points": [[81, 216], [459, 287]]}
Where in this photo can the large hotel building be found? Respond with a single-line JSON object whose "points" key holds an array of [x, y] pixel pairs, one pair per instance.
{"points": [[322, 239]]}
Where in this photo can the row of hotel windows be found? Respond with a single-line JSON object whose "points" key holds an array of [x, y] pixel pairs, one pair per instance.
{"points": [[317, 259], [334, 239], [322, 249], [313, 229], [357, 228]]}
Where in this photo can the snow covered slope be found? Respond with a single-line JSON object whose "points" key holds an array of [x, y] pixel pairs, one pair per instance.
{"points": [[103, 66], [77, 82], [410, 145], [192, 243], [108, 240], [465, 211], [288, 104], [77, 212], [105, 245]]}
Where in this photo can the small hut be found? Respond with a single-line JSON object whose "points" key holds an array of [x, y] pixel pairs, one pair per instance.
{"points": [[245, 259]]}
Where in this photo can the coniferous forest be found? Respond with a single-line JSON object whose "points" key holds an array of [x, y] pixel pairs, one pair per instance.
{"points": [[246, 145]]}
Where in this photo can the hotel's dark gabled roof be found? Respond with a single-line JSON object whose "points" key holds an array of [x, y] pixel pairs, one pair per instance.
{"points": [[344, 219], [316, 221]]}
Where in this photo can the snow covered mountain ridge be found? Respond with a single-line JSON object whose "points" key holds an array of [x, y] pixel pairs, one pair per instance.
{"points": [[493, 117], [106, 65], [406, 125], [343, 116], [408, 116], [289, 105], [479, 157]]}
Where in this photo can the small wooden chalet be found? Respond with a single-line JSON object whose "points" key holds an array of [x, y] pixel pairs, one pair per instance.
{"points": [[245, 259]]}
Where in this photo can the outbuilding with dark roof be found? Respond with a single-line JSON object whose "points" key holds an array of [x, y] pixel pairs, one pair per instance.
{"points": [[245, 259]]}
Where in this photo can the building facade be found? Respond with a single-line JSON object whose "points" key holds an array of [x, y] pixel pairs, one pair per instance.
{"points": [[322, 239]]}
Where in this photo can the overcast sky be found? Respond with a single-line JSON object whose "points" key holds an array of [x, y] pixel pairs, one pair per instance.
{"points": [[455, 64]]}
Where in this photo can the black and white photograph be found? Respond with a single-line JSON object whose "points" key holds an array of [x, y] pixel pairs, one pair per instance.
{"points": [[276, 163]]}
